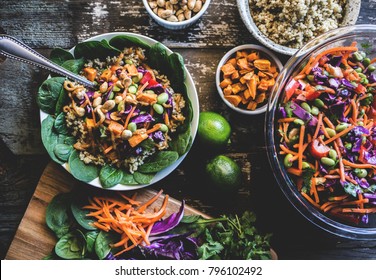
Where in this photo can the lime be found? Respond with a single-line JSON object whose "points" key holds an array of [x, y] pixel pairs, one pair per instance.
{"points": [[224, 173], [213, 130]]}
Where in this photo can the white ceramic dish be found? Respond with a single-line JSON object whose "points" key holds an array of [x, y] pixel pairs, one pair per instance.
{"points": [[192, 94], [176, 25], [226, 57], [350, 18]]}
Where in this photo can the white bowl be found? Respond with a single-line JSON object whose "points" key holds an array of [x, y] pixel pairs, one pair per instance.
{"points": [[192, 94], [350, 18], [226, 57], [176, 25]]}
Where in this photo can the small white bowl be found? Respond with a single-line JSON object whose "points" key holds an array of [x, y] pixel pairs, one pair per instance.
{"points": [[273, 58], [176, 25]]}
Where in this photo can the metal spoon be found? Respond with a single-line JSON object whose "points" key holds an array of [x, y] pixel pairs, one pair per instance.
{"points": [[12, 48]]}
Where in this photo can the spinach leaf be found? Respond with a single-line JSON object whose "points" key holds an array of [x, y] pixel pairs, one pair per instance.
{"points": [[49, 138], [62, 100], [110, 176], [58, 214], [142, 178], [69, 140], [63, 151], [103, 243], [48, 94], [123, 41], [176, 73], [71, 246], [74, 65], [90, 237], [80, 170], [158, 58], [59, 124], [158, 162], [128, 179], [81, 214], [189, 219], [181, 142], [95, 49], [59, 56]]}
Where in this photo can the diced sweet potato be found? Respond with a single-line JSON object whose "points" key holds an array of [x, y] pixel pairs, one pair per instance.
{"points": [[234, 99], [253, 56], [252, 105], [225, 83], [236, 88], [235, 75], [227, 90], [106, 75], [149, 98], [137, 139], [247, 94], [90, 73], [232, 61], [263, 85], [252, 86], [262, 64], [228, 69], [132, 70], [241, 54], [260, 98], [243, 64]]}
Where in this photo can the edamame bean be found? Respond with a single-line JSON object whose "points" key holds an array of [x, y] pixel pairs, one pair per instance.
{"points": [[319, 103], [311, 78], [371, 68], [357, 56], [366, 61], [331, 132], [163, 128], [162, 98], [362, 75], [358, 70], [328, 161], [287, 160], [298, 122], [132, 126], [128, 61], [135, 79], [341, 126], [332, 154], [158, 108], [361, 172], [348, 146], [306, 107], [315, 111], [364, 81], [126, 134], [305, 165], [132, 89]]}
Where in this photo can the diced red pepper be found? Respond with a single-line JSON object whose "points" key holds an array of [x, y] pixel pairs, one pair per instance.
{"points": [[147, 76], [290, 88], [360, 89]]}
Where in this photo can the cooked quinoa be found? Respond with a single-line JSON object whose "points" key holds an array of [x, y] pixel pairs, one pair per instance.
{"points": [[293, 23], [99, 140]]}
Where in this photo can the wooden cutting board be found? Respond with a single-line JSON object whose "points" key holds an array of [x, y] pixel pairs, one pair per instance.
{"points": [[33, 239]]}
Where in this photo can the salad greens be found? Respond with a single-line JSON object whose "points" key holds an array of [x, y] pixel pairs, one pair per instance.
{"points": [[175, 237], [52, 97]]}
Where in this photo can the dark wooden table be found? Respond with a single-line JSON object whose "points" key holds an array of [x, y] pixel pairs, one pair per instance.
{"points": [[45, 24]]}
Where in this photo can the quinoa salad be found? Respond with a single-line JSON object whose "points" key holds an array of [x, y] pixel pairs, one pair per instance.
{"points": [[130, 116], [293, 23]]}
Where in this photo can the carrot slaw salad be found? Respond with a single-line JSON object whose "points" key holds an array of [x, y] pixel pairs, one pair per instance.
{"points": [[327, 132]]}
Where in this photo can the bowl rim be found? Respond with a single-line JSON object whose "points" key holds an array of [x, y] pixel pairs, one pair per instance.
{"points": [[184, 23], [225, 57], [193, 126], [245, 14], [283, 179]]}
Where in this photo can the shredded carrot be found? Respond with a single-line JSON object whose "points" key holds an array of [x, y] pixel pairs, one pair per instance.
{"points": [[319, 123], [300, 150], [129, 117], [358, 165], [306, 196], [134, 225], [359, 211], [340, 134], [285, 120]]}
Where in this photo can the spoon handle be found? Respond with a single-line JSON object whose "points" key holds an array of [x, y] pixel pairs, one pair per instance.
{"points": [[12, 48]]}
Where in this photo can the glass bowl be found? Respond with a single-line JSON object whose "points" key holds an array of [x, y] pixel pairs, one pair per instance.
{"points": [[365, 36]]}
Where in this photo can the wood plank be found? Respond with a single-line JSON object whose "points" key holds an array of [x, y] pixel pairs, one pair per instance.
{"points": [[34, 240]]}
